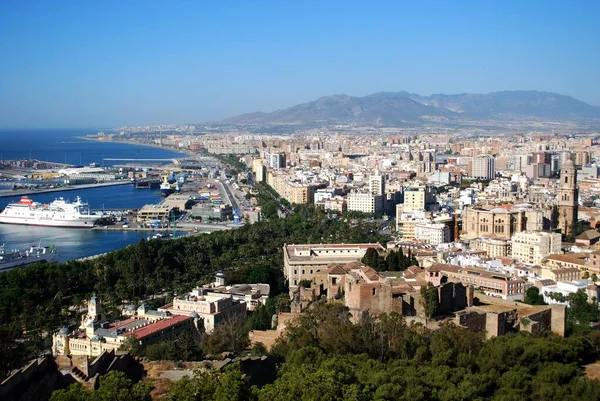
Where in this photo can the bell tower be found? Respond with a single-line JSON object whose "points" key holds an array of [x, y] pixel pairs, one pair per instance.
{"points": [[567, 197]]}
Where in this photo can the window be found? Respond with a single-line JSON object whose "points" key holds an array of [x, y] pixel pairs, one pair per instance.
{"points": [[334, 280], [373, 291]]}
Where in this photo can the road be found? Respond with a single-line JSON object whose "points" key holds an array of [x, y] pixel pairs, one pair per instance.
{"points": [[226, 191]]}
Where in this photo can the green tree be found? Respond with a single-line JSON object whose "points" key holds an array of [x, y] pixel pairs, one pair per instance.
{"points": [[429, 300], [75, 392], [232, 385], [533, 297], [116, 386], [282, 303], [554, 216], [581, 312], [261, 318]]}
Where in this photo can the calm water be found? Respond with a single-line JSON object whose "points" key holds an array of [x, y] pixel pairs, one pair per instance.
{"points": [[76, 243], [63, 146]]}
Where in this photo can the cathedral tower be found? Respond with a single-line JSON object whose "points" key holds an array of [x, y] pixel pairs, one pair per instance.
{"points": [[567, 197]]}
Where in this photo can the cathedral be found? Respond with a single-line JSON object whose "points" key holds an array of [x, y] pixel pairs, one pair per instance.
{"points": [[568, 197]]}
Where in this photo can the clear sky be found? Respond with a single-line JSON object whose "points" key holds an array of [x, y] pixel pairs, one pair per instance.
{"points": [[109, 63]]}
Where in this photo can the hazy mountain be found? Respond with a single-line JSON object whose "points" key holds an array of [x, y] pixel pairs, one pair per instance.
{"points": [[517, 103], [399, 108]]}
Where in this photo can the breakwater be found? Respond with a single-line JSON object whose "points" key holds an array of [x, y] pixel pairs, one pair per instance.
{"points": [[4, 193]]}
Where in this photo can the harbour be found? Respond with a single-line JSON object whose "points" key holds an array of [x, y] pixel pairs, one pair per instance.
{"points": [[64, 146]]}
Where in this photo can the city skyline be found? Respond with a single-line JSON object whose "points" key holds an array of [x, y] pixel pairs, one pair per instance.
{"points": [[93, 65]]}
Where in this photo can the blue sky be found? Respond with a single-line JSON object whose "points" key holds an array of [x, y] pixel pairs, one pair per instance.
{"points": [[103, 64]]}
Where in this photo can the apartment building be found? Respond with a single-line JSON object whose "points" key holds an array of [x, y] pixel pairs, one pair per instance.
{"points": [[336, 204], [415, 199], [534, 247], [377, 183], [483, 167], [259, 170], [365, 202], [569, 260], [563, 274], [300, 193], [432, 233], [276, 161], [494, 248]]}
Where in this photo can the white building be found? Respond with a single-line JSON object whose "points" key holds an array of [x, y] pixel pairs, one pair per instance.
{"points": [[276, 160], [532, 247], [324, 193], [415, 199], [483, 167], [209, 306], [439, 177], [566, 288], [377, 183], [365, 202], [432, 233]]}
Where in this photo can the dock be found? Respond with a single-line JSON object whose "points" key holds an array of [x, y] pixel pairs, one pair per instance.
{"points": [[20, 192]]}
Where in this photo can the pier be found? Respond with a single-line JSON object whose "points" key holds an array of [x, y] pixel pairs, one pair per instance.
{"points": [[111, 159], [5, 193]]}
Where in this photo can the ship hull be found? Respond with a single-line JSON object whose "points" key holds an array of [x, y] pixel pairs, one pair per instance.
{"points": [[59, 213], [13, 265], [48, 223]]}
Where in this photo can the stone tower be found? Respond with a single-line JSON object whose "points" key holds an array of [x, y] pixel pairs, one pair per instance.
{"points": [[567, 197], [94, 315]]}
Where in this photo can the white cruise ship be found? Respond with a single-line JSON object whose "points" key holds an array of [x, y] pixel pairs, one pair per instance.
{"points": [[59, 213]]}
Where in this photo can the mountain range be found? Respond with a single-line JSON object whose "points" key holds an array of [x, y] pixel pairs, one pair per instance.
{"points": [[402, 108]]}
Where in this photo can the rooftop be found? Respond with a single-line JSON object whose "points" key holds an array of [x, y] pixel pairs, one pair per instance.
{"points": [[158, 326]]}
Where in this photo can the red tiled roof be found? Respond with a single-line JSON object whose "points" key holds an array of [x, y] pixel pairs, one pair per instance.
{"points": [[370, 273], [336, 269], [439, 267], [577, 258], [158, 326]]}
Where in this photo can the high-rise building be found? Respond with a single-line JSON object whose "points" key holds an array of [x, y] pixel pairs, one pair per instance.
{"points": [[377, 183], [276, 160], [567, 196], [483, 167], [415, 199]]}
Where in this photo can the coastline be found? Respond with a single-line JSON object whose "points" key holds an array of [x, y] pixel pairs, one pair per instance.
{"points": [[149, 145]]}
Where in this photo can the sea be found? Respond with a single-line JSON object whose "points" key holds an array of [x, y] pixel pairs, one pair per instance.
{"points": [[65, 146]]}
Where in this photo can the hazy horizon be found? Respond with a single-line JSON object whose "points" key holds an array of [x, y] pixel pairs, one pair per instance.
{"points": [[145, 63]]}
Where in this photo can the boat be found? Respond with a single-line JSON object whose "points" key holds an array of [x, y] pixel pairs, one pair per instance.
{"points": [[16, 258], [58, 213], [169, 185]]}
